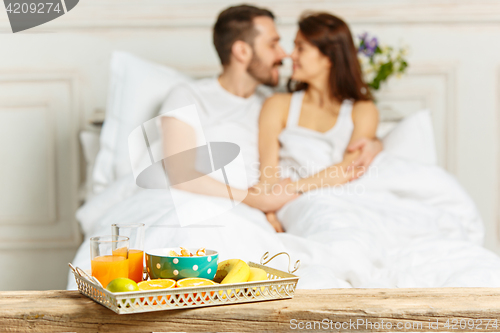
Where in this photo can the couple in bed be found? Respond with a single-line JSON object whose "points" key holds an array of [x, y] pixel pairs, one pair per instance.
{"points": [[412, 225], [305, 155], [321, 134]]}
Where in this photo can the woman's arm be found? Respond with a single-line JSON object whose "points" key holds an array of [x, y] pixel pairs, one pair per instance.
{"points": [[181, 137], [272, 120], [365, 119], [368, 149]]}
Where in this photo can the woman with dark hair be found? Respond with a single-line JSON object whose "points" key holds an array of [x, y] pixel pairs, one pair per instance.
{"points": [[303, 135]]}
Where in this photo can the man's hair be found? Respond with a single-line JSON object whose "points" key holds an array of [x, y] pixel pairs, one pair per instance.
{"points": [[233, 24]]}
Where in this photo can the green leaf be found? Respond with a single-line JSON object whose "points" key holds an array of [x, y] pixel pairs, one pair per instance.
{"points": [[374, 85]]}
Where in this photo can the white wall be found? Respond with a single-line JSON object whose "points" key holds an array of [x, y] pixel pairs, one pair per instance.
{"points": [[54, 77]]}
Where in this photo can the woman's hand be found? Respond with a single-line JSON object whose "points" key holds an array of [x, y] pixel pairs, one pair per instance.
{"points": [[369, 149], [273, 220]]}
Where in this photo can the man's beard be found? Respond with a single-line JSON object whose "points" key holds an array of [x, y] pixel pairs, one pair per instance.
{"points": [[261, 72]]}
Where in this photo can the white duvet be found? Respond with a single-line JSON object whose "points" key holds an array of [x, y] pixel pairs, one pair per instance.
{"points": [[401, 225]]}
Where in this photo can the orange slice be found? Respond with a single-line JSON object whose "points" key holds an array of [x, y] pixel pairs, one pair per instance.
{"points": [[155, 285], [196, 282]]}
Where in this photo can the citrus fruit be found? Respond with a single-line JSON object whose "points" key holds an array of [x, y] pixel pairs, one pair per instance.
{"points": [[120, 285], [195, 282], [154, 285]]}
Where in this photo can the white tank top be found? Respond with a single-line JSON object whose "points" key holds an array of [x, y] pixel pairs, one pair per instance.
{"points": [[304, 151]]}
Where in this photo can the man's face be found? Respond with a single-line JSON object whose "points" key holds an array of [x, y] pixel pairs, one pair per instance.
{"points": [[267, 52]]}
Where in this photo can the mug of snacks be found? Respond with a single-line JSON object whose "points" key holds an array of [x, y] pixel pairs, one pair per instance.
{"points": [[180, 263]]}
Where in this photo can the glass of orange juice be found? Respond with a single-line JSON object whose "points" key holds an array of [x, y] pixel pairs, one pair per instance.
{"points": [[109, 258], [135, 232]]}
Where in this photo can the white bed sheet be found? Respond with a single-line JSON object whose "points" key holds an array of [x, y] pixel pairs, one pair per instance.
{"points": [[408, 225]]}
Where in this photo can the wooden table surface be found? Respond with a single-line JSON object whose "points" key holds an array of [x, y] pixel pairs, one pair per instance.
{"points": [[354, 310]]}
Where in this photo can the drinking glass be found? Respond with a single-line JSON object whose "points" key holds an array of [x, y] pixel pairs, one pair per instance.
{"points": [[135, 232], [109, 258]]}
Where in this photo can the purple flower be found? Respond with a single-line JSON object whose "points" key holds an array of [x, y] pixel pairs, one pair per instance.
{"points": [[372, 45], [367, 46]]}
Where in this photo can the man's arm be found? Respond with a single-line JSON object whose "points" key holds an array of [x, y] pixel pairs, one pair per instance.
{"points": [[274, 222], [178, 137]]}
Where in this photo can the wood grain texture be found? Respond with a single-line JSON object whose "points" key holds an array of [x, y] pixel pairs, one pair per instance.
{"points": [[63, 311]]}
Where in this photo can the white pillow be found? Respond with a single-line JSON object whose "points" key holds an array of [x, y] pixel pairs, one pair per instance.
{"points": [[136, 92], [413, 139], [90, 147]]}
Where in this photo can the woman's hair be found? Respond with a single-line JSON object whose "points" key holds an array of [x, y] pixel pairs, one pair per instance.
{"points": [[332, 37]]}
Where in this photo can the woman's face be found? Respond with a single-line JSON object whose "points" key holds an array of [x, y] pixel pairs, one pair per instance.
{"points": [[309, 64]]}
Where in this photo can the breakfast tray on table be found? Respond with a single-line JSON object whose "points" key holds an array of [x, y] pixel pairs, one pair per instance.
{"points": [[280, 285]]}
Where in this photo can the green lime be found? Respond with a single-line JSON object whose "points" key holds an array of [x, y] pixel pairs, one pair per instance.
{"points": [[120, 285]]}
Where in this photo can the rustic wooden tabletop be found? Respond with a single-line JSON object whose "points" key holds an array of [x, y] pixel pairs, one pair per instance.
{"points": [[346, 310]]}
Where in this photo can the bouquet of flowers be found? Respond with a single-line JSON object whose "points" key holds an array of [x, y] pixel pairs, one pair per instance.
{"points": [[379, 62]]}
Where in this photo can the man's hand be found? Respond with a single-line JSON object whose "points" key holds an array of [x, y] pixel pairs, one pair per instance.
{"points": [[273, 220], [369, 149]]}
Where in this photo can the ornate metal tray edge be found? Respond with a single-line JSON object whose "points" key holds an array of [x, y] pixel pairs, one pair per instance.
{"points": [[280, 285]]}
